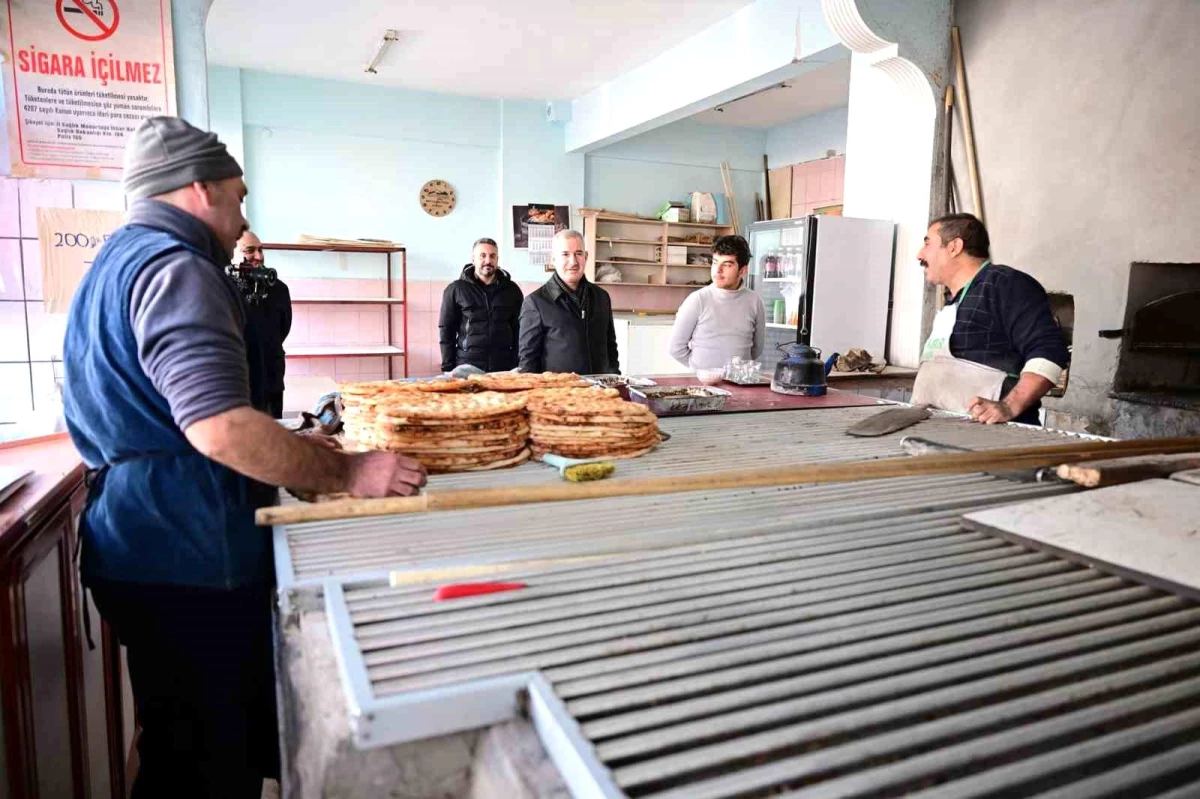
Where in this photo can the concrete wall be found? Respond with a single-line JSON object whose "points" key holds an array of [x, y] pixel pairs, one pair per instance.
{"points": [[807, 138], [1087, 126]]}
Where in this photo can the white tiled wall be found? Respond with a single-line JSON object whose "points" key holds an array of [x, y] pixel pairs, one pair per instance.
{"points": [[31, 339]]}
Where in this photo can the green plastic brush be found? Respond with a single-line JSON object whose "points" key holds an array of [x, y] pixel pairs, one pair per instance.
{"points": [[580, 470]]}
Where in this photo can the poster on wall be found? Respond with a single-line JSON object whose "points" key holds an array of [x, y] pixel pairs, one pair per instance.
{"points": [[68, 240], [557, 216], [79, 76]]}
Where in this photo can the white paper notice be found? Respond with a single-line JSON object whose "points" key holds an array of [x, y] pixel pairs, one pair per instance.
{"points": [[80, 77]]}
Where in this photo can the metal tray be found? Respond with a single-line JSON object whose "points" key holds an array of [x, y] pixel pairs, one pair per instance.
{"points": [[677, 400], [622, 383]]}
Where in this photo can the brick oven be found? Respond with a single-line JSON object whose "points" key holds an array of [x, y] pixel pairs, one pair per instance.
{"points": [[1157, 382]]}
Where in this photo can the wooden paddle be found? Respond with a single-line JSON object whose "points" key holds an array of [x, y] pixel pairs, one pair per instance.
{"points": [[878, 469]]}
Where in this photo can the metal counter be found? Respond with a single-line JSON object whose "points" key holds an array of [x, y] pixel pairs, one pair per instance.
{"points": [[829, 640]]}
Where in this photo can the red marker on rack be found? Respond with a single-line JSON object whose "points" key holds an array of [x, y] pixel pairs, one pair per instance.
{"points": [[459, 590]]}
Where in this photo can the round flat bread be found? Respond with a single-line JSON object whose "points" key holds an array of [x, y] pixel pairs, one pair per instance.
{"points": [[374, 388], [520, 457], [576, 405], [452, 441], [589, 430], [595, 443], [467, 459], [520, 381], [502, 422], [538, 452], [617, 441], [451, 407], [421, 452], [592, 391], [577, 419]]}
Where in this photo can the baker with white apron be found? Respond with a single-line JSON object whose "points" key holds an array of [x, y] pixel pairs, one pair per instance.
{"points": [[1008, 348]]}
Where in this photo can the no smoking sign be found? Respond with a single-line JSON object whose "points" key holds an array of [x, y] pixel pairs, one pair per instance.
{"points": [[90, 20]]}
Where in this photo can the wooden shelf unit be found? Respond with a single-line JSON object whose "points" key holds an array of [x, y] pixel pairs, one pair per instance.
{"points": [[617, 231], [389, 349]]}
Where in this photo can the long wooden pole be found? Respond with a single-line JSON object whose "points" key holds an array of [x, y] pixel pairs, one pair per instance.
{"points": [[991, 460], [968, 128], [947, 147], [767, 181]]}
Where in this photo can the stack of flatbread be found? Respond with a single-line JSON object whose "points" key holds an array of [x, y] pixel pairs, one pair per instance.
{"points": [[522, 381], [446, 432], [589, 423]]}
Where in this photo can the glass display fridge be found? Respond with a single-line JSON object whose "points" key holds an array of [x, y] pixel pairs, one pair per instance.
{"points": [[825, 281]]}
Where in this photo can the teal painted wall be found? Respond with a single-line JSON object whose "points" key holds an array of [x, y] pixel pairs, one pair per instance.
{"points": [[807, 138], [639, 174], [348, 160]]}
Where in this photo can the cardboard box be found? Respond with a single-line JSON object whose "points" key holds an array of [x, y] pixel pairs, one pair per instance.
{"points": [[677, 214], [676, 255]]}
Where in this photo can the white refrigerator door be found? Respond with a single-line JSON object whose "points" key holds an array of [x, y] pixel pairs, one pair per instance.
{"points": [[851, 284]]}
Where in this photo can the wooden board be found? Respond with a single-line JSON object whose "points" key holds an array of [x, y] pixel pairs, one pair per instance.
{"points": [[780, 181], [1150, 529], [1098, 474], [1191, 477]]}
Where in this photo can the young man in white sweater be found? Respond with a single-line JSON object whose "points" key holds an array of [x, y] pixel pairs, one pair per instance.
{"points": [[724, 319]]}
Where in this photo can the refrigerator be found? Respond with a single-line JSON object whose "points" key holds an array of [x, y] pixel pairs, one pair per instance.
{"points": [[825, 281]]}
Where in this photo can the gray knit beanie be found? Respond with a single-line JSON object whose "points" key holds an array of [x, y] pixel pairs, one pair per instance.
{"points": [[166, 153]]}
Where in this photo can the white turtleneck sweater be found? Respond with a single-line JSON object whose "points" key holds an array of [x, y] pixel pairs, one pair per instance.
{"points": [[713, 325]]}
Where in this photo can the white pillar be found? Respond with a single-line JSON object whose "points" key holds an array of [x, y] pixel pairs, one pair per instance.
{"points": [[191, 59], [896, 70]]}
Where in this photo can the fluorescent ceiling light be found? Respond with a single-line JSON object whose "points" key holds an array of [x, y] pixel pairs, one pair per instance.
{"points": [[389, 36]]}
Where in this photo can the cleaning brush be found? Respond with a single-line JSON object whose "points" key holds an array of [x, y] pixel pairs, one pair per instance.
{"points": [[580, 471]]}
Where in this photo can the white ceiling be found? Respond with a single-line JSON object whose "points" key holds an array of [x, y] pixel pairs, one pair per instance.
{"points": [[822, 89], [486, 48]]}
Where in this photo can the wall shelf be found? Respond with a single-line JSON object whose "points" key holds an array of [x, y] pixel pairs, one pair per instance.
{"points": [[601, 227], [331, 248], [361, 350], [783, 280]]}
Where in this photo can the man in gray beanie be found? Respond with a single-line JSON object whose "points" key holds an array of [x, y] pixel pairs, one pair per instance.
{"points": [[157, 401]]}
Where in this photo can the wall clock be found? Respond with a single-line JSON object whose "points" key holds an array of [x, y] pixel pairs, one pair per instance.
{"points": [[437, 198]]}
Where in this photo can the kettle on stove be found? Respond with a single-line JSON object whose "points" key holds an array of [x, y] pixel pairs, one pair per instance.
{"points": [[802, 372]]}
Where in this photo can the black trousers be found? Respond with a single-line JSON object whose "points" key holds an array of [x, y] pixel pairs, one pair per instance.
{"points": [[202, 668], [275, 404]]}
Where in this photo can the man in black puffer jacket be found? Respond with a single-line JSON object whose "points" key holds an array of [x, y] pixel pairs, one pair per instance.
{"points": [[480, 314], [567, 324]]}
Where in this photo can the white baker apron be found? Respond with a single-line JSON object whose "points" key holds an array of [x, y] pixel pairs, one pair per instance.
{"points": [[950, 383]]}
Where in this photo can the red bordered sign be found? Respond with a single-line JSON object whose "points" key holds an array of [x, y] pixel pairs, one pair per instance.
{"points": [[90, 20]]}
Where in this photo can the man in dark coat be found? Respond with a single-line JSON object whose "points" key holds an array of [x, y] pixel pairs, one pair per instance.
{"points": [[480, 314], [567, 324], [158, 402], [268, 309]]}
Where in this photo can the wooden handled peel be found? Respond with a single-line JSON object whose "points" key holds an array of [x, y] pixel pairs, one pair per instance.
{"points": [[852, 471]]}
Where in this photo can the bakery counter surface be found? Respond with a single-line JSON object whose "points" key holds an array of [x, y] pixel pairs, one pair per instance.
{"points": [[57, 473], [762, 398]]}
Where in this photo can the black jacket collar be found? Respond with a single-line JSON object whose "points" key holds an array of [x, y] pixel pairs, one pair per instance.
{"points": [[468, 274]]}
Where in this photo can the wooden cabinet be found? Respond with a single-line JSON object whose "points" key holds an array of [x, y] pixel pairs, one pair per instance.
{"points": [[639, 248], [61, 704]]}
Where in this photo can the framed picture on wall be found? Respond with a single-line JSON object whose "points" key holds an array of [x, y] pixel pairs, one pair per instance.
{"points": [[559, 216]]}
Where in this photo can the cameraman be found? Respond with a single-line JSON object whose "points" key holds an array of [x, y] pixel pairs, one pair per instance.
{"points": [[268, 306]]}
